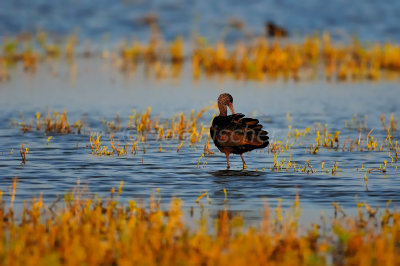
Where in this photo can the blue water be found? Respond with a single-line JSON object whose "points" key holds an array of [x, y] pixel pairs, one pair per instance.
{"points": [[99, 91], [96, 20]]}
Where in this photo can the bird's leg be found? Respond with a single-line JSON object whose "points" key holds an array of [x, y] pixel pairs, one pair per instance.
{"points": [[227, 160], [244, 163]]}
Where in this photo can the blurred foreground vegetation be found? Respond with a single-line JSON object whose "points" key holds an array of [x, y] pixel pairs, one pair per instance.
{"points": [[87, 230]]}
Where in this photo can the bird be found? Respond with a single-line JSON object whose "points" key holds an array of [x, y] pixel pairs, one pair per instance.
{"points": [[235, 133], [274, 30]]}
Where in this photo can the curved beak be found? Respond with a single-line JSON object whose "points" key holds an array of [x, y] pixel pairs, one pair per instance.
{"points": [[231, 108]]}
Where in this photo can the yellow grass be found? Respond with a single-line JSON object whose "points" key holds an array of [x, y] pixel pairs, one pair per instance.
{"points": [[93, 231], [256, 59]]}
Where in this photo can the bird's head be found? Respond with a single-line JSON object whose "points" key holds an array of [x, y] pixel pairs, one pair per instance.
{"points": [[224, 100]]}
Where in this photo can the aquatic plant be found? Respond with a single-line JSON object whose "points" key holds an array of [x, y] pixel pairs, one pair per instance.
{"points": [[52, 123], [112, 126], [207, 150], [96, 231], [179, 127], [251, 59], [100, 150], [23, 152]]}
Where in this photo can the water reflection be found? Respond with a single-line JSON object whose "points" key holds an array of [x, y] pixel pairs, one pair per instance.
{"points": [[225, 174]]}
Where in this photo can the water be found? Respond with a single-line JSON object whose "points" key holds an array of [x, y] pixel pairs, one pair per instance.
{"points": [[370, 20], [99, 91]]}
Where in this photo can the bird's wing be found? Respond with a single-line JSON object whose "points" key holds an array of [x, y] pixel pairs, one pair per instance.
{"points": [[240, 131]]}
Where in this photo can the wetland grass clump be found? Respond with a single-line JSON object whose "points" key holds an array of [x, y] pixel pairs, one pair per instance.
{"points": [[144, 125], [52, 123], [327, 141], [290, 165], [84, 230], [102, 150], [255, 58]]}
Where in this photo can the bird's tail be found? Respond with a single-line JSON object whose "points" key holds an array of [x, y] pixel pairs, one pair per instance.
{"points": [[257, 138]]}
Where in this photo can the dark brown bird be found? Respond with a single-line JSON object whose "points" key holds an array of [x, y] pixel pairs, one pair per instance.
{"points": [[274, 30], [235, 133]]}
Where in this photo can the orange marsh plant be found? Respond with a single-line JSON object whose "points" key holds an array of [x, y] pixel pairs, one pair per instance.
{"points": [[92, 231], [252, 59]]}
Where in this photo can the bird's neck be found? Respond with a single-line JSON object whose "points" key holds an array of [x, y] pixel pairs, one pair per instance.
{"points": [[222, 109]]}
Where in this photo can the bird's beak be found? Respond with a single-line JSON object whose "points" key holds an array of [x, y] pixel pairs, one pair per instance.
{"points": [[231, 108]]}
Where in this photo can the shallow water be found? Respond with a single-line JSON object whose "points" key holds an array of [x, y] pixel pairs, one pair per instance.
{"points": [[98, 91]]}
